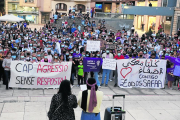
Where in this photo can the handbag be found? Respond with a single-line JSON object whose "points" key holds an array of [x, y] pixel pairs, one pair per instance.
{"points": [[56, 109]]}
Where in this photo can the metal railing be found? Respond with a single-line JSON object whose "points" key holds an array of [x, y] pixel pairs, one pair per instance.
{"points": [[21, 11], [113, 15]]}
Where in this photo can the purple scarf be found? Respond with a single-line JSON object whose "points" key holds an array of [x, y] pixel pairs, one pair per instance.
{"points": [[93, 99]]}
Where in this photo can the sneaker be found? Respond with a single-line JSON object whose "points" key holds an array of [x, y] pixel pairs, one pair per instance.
{"points": [[101, 84], [78, 85], [115, 85], [110, 80], [106, 85]]}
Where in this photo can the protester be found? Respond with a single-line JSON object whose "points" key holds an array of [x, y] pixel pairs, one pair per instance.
{"points": [[62, 103], [170, 75], [106, 72], [90, 101], [6, 65]]}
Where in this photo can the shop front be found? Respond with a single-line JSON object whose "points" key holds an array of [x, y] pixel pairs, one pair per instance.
{"points": [[30, 14]]}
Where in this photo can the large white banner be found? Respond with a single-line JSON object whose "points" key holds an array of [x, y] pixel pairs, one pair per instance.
{"points": [[39, 75], [143, 73], [109, 64], [93, 45]]}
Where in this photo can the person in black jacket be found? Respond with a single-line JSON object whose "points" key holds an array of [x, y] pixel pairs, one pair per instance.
{"points": [[62, 103]]}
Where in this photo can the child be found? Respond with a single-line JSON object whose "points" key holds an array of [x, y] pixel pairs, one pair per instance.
{"points": [[80, 73], [170, 75]]}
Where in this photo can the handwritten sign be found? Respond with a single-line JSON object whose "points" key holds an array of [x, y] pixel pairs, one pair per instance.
{"points": [[93, 45], [39, 75], [109, 64], [144, 73], [111, 46]]}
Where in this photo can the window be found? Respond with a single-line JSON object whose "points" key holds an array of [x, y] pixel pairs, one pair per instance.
{"points": [[78, 6], [164, 3], [61, 6], [29, 1]]}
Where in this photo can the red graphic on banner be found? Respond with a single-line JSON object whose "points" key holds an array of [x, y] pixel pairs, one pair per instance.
{"points": [[129, 71]]}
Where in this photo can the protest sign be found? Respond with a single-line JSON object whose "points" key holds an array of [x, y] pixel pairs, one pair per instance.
{"points": [[109, 64], [93, 45], [177, 71], [92, 64], [143, 73], [39, 75], [111, 46]]}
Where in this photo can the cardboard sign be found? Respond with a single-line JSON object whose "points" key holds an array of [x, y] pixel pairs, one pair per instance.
{"points": [[93, 45]]}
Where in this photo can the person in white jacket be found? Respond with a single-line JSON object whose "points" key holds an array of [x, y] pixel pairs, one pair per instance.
{"points": [[106, 72]]}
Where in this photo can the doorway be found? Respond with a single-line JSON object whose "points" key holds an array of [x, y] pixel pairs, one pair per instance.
{"points": [[45, 18]]}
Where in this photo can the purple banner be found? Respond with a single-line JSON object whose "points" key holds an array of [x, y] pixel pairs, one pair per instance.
{"points": [[92, 64], [176, 71]]}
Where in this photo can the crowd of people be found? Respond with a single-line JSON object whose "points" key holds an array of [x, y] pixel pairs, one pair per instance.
{"points": [[68, 43]]}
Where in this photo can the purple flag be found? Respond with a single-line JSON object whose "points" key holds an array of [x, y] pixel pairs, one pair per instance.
{"points": [[92, 64], [176, 70]]}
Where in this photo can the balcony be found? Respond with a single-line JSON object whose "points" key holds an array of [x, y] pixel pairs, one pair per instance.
{"points": [[25, 12], [29, 3], [144, 10]]}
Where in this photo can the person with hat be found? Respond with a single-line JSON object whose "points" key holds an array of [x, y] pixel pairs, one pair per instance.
{"points": [[90, 101]]}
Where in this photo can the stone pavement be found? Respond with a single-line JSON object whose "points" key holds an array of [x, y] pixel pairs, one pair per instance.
{"points": [[140, 104]]}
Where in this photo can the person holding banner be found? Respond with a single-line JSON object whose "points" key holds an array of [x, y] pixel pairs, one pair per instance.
{"points": [[117, 57], [170, 75], [106, 72], [6, 65], [46, 58], [62, 103]]}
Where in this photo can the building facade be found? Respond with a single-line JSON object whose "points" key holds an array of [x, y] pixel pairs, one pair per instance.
{"points": [[176, 22], [63, 6], [150, 14], [33, 11]]}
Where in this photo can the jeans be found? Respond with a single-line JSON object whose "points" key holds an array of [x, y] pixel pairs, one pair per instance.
{"points": [[111, 74], [96, 78], [116, 76], [85, 76], [7, 77], [90, 116], [80, 79], [72, 78], [105, 72]]}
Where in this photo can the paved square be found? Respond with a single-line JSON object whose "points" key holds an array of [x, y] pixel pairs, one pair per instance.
{"points": [[140, 104]]}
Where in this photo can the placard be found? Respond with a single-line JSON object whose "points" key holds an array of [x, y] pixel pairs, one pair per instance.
{"points": [[92, 64], [109, 64], [93, 45], [143, 73], [111, 46], [39, 75]]}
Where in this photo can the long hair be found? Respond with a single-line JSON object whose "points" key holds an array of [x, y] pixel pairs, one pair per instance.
{"points": [[65, 90]]}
